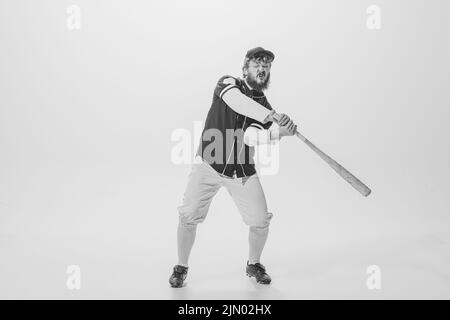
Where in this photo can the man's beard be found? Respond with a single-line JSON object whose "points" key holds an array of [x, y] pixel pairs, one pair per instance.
{"points": [[258, 86]]}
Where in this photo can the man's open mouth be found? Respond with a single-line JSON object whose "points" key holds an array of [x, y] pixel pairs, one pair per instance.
{"points": [[261, 75]]}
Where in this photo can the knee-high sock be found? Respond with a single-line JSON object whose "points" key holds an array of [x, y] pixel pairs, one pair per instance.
{"points": [[257, 238], [185, 239]]}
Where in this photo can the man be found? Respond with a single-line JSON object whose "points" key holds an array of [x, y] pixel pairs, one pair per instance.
{"points": [[239, 119]]}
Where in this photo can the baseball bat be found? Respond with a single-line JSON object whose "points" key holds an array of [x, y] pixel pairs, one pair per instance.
{"points": [[340, 170]]}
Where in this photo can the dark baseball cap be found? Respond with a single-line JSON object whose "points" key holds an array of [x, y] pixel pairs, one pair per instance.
{"points": [[258, 52]]}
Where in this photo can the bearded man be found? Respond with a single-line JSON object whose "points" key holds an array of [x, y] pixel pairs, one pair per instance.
{"points": [[239, 118]]}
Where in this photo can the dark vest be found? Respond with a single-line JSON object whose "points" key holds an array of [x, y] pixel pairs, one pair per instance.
{"points": [[222, 140]]}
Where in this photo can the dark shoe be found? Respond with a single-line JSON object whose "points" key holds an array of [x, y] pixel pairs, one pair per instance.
{"points": [[258, 271], [178, 276]]}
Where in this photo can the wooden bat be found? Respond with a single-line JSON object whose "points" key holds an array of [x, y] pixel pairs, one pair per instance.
{"points": [[344, 173]]}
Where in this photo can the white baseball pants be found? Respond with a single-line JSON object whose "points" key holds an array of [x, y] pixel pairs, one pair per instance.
{"points": [[203, 184]]}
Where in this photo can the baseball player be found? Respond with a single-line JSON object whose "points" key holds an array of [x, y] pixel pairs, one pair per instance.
{"points": [[239, 118]]}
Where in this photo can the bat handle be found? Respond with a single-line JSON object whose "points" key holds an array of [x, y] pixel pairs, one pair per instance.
{"points": [[277, 118], [300, 136]]}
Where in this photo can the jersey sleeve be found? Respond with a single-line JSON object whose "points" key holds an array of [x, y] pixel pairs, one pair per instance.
{"points": [[224, 84], [260, 125]]}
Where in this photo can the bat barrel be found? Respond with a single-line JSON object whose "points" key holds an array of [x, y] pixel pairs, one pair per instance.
{"points": [[340, 170]]}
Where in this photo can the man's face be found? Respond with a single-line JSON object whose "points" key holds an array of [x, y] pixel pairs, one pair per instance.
{"points": [[258, 73]]}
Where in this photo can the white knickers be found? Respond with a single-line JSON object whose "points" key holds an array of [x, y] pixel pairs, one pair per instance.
{"points": [[203, 184]]}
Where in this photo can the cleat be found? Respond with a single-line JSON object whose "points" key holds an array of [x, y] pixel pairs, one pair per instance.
{"points": [[178, 276], [258, 271]]}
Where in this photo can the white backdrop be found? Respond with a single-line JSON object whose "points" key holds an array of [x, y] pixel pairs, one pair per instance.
{"points": [[86, 118]]}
